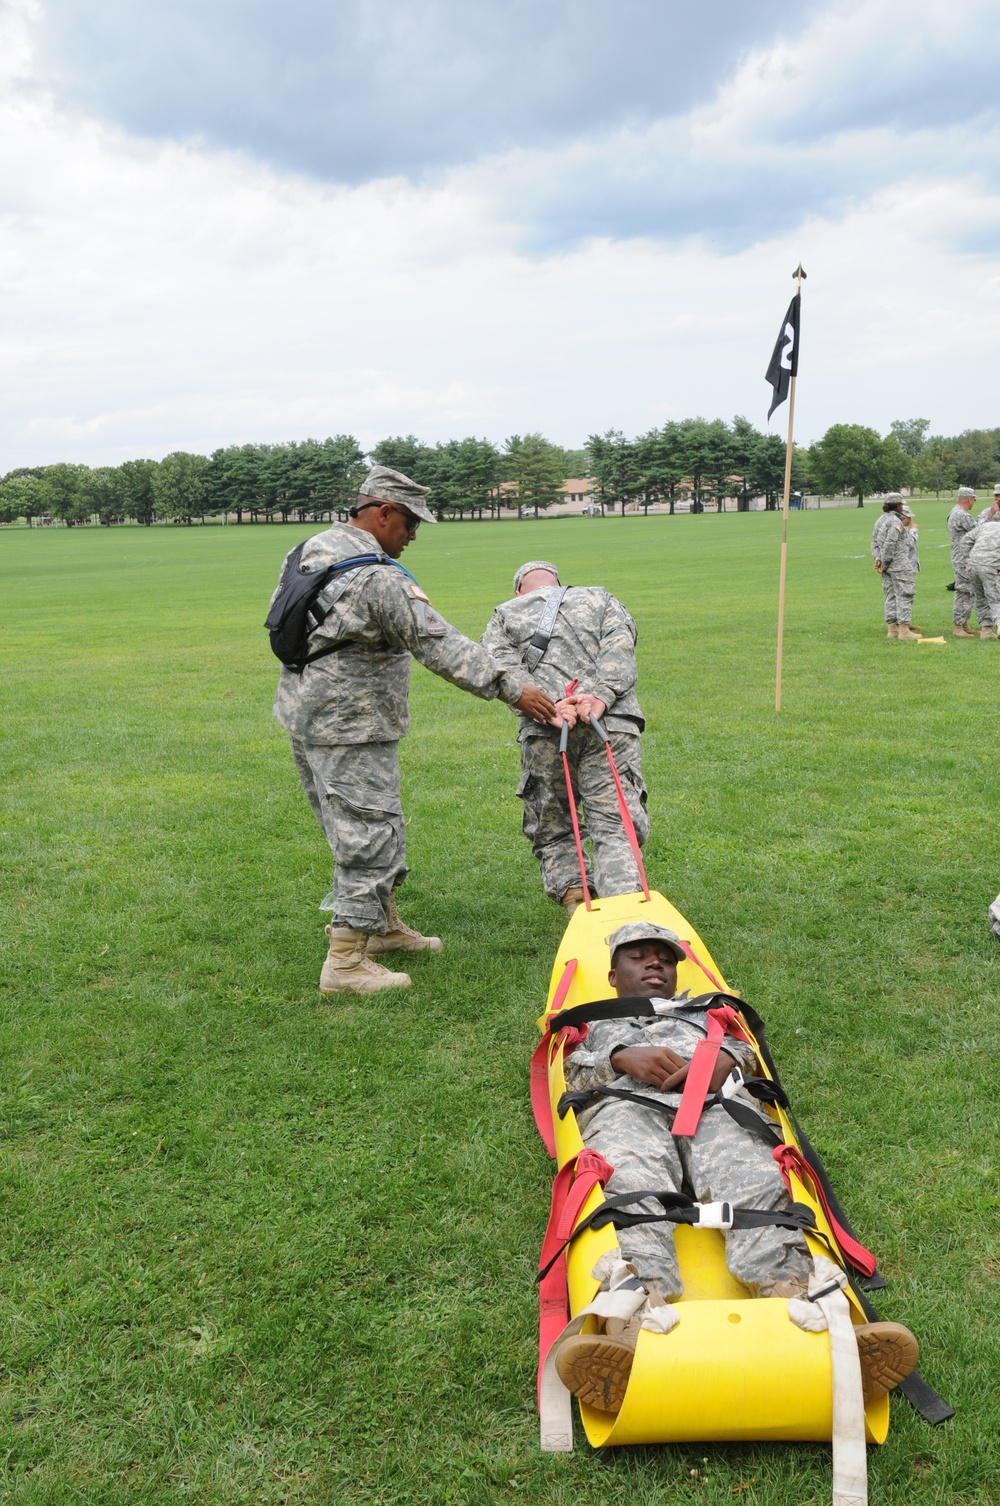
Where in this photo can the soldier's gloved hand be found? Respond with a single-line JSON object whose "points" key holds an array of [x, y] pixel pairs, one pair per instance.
{"points": [[536, 704], [566, 712], [664, 1069], [589, 705]]}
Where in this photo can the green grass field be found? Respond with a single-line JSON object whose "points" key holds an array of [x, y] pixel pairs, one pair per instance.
{"points": [[265, 1248]]}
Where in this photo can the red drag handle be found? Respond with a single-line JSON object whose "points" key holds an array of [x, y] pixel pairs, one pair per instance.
{"points": [[563, 739], [633, 840]]}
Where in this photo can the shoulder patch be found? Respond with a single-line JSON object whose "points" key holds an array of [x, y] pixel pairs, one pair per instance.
{"points": [[418, 593]]}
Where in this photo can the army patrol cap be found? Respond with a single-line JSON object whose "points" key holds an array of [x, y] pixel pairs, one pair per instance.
{"points": [[644, 930], [996, 489], [534, 565], [907, 511], [384, 485], [966, 491]]}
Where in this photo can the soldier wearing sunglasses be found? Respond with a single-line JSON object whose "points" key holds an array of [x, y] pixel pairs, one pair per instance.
{"points": [[346, 712]]}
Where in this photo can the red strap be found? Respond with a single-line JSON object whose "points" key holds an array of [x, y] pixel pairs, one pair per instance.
{"points": [[571, 798], [721, 1022], [693, 957], [633, 840], [571, 1188], [541, 1104], [791, 1162]]}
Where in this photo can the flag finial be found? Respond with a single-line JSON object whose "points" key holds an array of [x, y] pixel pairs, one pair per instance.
{"points": [[800, 273]]}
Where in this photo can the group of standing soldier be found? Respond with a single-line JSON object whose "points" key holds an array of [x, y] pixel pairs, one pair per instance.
{"points": [[975, 557], [345, 708]]}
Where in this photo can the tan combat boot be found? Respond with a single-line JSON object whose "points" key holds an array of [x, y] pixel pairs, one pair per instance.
{"points": [[349, 970], [572, 900], [904, 631], [401, 938], [987, 632], [596, 1366], [892, 630], [888, 1354], [961, 630]]}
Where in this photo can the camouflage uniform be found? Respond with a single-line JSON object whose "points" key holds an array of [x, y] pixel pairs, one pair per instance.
{"points": [[984, 563], [346, 713], [960, 523], [899, 569], [721, 1162], [593, 641], [960, 556], [878, 533]]}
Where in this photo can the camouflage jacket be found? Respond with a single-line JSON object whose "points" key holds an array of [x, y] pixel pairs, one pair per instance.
{"points": [[899, 548], [985, 551], [960, 523], [593, 641], [589, 1066], [879, 532], [962, 547], [360, 694]]}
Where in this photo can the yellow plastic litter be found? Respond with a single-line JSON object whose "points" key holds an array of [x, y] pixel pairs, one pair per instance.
{"points": [[735, 1367], [933, 640]]}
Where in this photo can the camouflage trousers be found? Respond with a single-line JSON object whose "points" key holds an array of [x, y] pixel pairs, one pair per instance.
{"points": [[987, 579], [969, 597], [547, 823], [900, 588], [722, 1163], [354, 792]]}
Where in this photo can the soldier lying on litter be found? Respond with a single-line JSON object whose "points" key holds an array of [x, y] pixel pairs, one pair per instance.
{"points": [[590, 639], [722, 1161]]}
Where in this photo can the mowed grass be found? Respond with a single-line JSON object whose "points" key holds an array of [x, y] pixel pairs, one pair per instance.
{"points": [[261, 1247]]}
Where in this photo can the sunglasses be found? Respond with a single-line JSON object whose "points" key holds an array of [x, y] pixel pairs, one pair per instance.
{"points": [[412, 523]]}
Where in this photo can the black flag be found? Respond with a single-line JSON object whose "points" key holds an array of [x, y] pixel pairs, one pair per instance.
{"points": [[785, 359]]}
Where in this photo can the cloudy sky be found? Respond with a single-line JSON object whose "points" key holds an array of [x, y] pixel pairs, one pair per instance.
{"points": [[229, 220]]}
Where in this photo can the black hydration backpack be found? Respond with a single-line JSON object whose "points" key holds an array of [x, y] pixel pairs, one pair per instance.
{"points": [[293, 615]]}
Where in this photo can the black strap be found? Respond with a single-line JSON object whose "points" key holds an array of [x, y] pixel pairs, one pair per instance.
{"points": [[678, 1208], [635, 1006], [741, 1113], [535, 651], [321, 653], [584, 1096], [922, 1398]]}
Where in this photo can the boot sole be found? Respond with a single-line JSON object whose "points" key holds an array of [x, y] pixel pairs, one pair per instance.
{"points": [[888, 1353], [400, 980], [596, 1370], [425, 944]]}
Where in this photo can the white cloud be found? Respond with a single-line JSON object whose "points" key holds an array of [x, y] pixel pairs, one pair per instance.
{"points": [[156, 296], [361, 88]]}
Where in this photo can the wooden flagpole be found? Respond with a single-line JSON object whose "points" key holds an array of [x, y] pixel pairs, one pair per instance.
{"points": [[798, 274]]}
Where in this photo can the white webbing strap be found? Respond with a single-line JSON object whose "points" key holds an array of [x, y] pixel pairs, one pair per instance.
{"points": [[850, 1460], [626, 1295], [555, 1404]]}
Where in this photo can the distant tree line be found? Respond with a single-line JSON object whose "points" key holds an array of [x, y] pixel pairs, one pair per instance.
{"points": [[307, 480], [708, 460], [695, 459]]}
